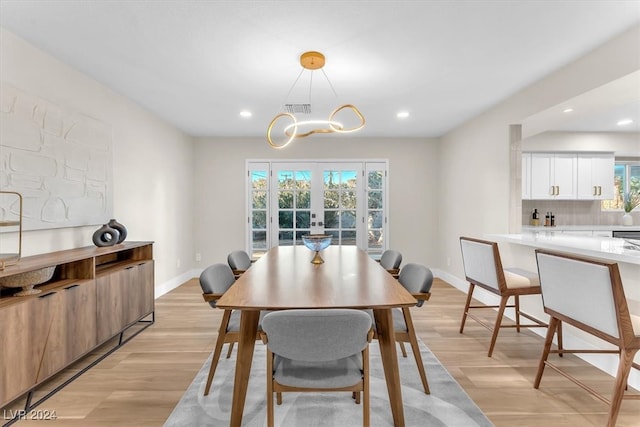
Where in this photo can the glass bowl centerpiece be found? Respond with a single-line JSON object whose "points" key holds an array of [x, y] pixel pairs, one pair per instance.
{"points": [[317, 243]]}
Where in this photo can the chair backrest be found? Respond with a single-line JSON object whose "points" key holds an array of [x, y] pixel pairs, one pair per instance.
{"points": [[317, 335], [239, 260], [390, 259], [216, 279], [482, 264], [416, 279], [583, 292]]}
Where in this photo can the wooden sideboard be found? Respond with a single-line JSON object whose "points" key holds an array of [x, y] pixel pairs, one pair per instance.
{"points": [[94, 295]]}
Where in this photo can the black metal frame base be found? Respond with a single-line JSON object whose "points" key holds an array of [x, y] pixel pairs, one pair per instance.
{"points": [[28, 407]]}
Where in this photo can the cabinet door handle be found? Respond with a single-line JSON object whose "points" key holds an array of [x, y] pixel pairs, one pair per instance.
{"points": [[553, 190], [69, 287], [599, 191], [47, 295], [129, 268], [595, 190]]}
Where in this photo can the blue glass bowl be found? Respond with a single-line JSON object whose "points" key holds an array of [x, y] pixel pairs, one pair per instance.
{"points": [[317, 242]]}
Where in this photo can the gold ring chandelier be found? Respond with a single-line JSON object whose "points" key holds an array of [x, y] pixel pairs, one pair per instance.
{"points": [[302, 128]]}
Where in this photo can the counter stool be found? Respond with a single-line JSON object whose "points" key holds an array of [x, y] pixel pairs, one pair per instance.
{"points": [[483, 268], [587, 293]]}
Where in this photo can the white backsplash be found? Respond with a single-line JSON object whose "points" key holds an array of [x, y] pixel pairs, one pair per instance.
{"points": [[573, 212]]}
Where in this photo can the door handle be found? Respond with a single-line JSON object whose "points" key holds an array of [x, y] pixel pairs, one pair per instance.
{"points": [[321, 224]]}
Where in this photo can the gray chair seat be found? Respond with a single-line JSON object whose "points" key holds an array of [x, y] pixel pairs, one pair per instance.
{"points": [[332, 374], [399, 324]]}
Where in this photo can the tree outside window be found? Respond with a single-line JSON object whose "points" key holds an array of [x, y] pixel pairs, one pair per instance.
{"points": [[627, 178]]}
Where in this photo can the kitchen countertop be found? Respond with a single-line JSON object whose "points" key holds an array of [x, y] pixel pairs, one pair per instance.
{"points": [[529, 228], [610, 248]]}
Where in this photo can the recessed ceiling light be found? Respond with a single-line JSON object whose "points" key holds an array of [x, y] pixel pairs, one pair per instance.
{"points": [[624, 122], [402, 114], [567, 110], [245, 113]]}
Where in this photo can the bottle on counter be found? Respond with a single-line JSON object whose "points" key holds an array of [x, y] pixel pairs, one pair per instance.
{"points": [[553, 220], [547, 219], [535, 218]]}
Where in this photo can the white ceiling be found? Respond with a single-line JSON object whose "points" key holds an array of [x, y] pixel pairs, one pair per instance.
{"points": [[197, 64]]}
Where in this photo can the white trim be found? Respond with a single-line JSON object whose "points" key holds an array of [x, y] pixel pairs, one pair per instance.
{"points": [[168, 286]]}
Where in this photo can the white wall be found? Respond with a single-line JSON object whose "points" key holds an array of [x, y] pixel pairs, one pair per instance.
{"points": [[622, 143], [475, 175], [153, 179], [220, 194]]}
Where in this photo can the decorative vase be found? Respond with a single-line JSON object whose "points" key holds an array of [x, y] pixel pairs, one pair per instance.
{"points": [[627, 219], [105, 236], [121, 229], [316, 243]]}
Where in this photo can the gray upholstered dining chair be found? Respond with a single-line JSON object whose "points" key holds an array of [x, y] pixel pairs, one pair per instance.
{"points": [[214, 281], [390, 261], [417, 280], [317, 350], [483, 268], [239, 261], [587, 293]]}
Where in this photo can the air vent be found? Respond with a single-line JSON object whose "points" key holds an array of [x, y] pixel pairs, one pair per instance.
{"points": [[298, 108]]}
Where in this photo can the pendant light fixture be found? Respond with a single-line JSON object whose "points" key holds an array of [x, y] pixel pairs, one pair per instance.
{"points": [[299, 127]]}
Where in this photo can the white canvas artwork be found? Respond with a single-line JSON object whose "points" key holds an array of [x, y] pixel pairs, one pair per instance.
{"points": [[59, 160]]}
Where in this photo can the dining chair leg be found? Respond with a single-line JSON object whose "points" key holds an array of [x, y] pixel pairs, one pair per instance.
{"points": [[553, 324], [279, 398], [269, 389], [217, 349], [357, 398], [366, 409], [402, 349], [230, 350], [624, 366], [466, 306], [415, 348], [517, 308], [560, 347], [496, 328]]}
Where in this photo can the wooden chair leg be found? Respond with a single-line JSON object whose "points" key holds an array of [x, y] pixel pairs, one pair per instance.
{"points": [[230, 350], [357, 398], [560, 347], [366, 409], [269, 389], [217, 349], [415, 348], [553, 324], [626, 360], [466, 306], [496, 328], [279, 398], [517, 307], [403, 349]]}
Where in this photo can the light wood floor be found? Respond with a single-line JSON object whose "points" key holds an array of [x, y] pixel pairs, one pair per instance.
{"points": [[139, 384]]}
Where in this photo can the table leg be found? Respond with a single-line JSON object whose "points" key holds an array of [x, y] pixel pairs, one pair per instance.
{"points": [[387, 343], [248, 329]]}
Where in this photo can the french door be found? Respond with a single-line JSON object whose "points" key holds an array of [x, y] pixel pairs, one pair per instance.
{"points": [[287, 199]]}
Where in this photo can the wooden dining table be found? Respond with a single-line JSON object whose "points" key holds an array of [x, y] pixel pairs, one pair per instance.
{"points": [[284, 278]]}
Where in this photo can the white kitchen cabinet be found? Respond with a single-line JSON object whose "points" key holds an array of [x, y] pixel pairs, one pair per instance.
{"points": [[526, 176], [554, 176], [596, 176]]}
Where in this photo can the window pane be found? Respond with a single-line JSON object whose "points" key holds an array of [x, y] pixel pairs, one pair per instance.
{"points": [[349, 200], [331, 179], [375, 200], [375, 180], [285, 180], [285, 199], [259, 200], [259, 180], [634, 178], [331, 199], [348, 219], [303, 180], [303, 200], [348, 238], [259, 219], [285, 219], [302, 219], [260, 239], [285, 238], [349, 179], [299, 235], [331, 219], [374, 220], [375, 238]]}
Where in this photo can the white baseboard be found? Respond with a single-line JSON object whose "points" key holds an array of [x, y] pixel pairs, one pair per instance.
{"points": [[170, 285]]}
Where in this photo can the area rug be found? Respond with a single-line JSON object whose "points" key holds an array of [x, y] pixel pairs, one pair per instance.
{"points": [[447, 405]]}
